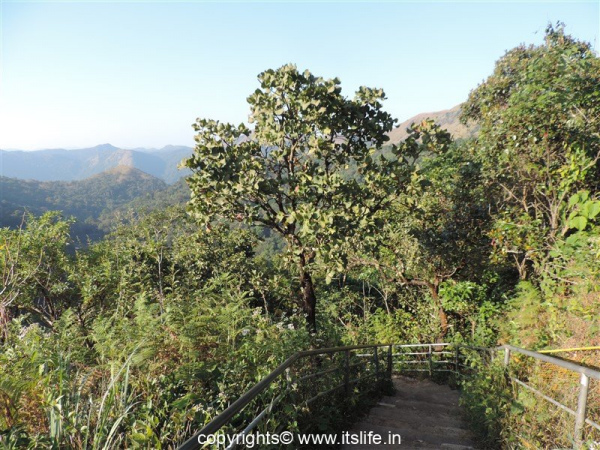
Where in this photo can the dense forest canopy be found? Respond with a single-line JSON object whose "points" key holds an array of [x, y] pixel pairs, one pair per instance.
{"points": [[144, 336]]}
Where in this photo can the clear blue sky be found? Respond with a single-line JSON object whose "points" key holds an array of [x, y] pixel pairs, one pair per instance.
{"points": [[133, 74]]}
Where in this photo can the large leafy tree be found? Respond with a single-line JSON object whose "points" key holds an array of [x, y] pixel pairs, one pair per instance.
{"points": [[308, 169], [539, 141]]}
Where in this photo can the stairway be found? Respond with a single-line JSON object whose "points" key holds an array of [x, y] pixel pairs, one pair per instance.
{"points": [[425, 414]]}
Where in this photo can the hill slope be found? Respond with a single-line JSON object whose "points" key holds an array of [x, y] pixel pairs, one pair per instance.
{"points": [[174, 194], [448, 119], [84, 199], [71, 165]]}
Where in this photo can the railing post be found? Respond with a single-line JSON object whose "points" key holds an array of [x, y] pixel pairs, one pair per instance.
{"points": [[456, 356], [506, 357], [288, 379], [389, 362], [430, 356], [581, 410], [376, 361], [347, 371]]}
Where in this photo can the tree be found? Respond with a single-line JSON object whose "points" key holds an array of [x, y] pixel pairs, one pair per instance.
{"points": [[436, 230], [308, 170], [33, 270], [539, 142]]}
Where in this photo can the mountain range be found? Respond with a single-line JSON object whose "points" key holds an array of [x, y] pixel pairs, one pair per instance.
{"points": [[71, 165], [96, 184]]}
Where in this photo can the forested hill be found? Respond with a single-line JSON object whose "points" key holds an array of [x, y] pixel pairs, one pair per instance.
{"points": [[174, 194], [71, 165], [85, 199]]}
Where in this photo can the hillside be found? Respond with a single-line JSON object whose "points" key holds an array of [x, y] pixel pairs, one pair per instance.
{"points": [[448, 119], [71, 165], [85, 199], [177, 193]]}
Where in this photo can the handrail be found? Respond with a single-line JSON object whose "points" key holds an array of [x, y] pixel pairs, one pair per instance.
{"points": [[224, 417], [591, 373], [584, 383], [564, 350], [218, 422]]}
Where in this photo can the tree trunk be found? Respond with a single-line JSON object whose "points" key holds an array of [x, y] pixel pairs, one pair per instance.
{"points": [[309, 299], [4, 321], [433, 288]]}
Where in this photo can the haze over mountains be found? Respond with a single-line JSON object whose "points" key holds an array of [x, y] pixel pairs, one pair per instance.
{"points": [[70, 165], [95, 184]]}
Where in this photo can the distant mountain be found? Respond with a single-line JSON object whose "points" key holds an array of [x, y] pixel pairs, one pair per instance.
{"points": [[71, 165], [84, 199], [447, 119]]}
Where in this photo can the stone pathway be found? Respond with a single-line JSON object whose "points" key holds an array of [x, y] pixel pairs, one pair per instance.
{"points": [[425, 414]]}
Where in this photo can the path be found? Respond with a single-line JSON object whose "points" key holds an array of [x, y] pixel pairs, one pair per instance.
{"points": [[425, 414]]}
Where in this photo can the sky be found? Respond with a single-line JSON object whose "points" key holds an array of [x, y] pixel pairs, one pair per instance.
{"points": [[138, 74]]}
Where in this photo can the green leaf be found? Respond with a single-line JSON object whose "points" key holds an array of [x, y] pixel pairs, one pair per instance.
{"points": [[574, 239], [578, 222], [574, 199], [591, 209], [329, 277]]}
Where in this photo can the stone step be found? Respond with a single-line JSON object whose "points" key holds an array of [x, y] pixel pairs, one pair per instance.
{"points": [[427, 433], [436, 404], [417, 417], [423, 386], [425, 414], [457, 447], [439, 399]]}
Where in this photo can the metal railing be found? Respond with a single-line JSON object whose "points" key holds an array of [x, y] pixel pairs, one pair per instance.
{"points": [[382, 360], [350, 369], [586, 374]]}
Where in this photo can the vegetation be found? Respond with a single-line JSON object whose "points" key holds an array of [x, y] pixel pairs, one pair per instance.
{"points": [[145, 335], [539, 147], [306, 171]]}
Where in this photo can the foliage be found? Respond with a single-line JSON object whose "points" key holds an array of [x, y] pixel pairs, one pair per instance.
{"points": [[434, 233], [539, 143], [307, 170], [142, 337], [159, 326], [538, 148], [487, 398], [32, 264]]}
